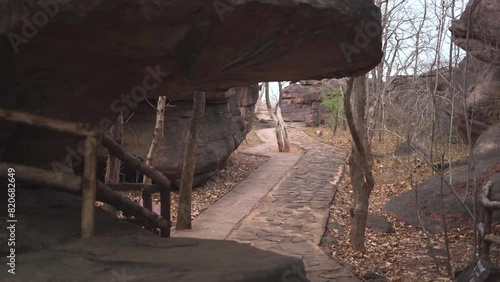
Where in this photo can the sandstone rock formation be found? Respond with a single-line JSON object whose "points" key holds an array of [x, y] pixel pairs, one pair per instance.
{"points": [[481, 82], [488, 142], [481, 67], [227, 120], [89, 60], [49, 249], [302, 102], [484, 35]]}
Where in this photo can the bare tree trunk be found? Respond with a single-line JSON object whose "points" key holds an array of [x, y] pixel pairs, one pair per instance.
{"points": [[113, 164], [279, 124], [261, 94], [157, 134], [147, 201], [360, 160], [186, 187]]}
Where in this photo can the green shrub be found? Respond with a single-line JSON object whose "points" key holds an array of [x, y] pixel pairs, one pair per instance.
{"points": [[333, 102]]}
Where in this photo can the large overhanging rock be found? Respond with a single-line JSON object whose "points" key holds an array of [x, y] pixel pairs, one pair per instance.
{"points": [[482, 96], [87, 60], [200, 44], [484, 35]]}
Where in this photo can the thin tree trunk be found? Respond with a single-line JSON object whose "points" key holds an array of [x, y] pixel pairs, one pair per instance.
{"points": [[113, 164], [188, 168], [278, 123], [147, 201], [336, 122], [360, 160], [157, 134], [259, 101], [281, 122]]}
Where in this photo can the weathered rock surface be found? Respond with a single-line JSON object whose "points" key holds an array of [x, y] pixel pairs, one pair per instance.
{"points": [[483, 71], [379, 223], [222, 130], [50, 250], [487, 167], [484, 35], [482, 99], [90, 60], [302, 103], [488, 142]]}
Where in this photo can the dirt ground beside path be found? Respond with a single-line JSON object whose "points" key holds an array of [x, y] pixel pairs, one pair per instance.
{"points": [[409, 253]]}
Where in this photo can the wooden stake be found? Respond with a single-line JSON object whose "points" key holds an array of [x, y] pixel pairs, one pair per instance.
{"points": [[89, 189], [165, 210]]}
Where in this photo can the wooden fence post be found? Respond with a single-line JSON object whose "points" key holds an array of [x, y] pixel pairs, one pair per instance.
{"points": [[165, 210]]}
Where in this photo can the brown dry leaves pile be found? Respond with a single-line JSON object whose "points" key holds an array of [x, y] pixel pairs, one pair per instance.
{"points": [[405, 254]]}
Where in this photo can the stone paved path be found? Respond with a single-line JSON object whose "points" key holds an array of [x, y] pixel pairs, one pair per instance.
{"points": [[283, 206]]}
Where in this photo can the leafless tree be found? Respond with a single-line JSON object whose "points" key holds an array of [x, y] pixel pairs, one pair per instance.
{"points": [[156, 140], [188, 168], [360, 160], [279, 123]]}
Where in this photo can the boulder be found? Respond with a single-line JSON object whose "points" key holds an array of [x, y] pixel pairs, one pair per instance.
{"points": [[88, 61], [302, 102], [487, 167], [484, 35], [488, 142], [49, 248], [482, 96], [222, 130], [480, 18], [379, 224]]}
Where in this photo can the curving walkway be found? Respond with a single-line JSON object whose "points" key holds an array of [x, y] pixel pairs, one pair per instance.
{"points": [[283, 206]]}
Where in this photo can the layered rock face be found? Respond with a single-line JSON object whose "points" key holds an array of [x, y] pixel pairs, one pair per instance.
{"points": [[86, 61], [484, 35], [228, 118], [302, 103], [482, 68], [482, 101]]}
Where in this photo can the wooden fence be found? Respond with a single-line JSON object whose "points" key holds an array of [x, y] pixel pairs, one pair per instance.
{"points": [[486, 217], [87, 185]]}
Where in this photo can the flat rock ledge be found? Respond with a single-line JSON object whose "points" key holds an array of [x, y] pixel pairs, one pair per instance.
{"points": [[124, 252]]}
